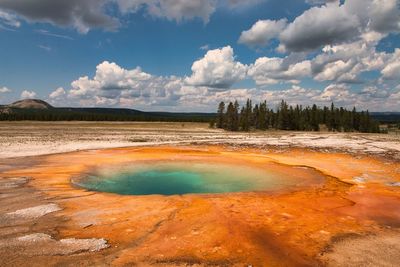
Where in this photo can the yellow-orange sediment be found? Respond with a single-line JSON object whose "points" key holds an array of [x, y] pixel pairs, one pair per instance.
{"points": [[289, 227]]}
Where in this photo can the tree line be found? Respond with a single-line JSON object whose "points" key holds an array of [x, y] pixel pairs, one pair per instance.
{"points": [[232, 117], [61, 114]]}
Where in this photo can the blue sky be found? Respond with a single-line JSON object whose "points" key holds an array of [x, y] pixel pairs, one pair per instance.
{"points": [[244, 49]]}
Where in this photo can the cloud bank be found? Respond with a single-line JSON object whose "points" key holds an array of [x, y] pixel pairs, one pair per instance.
{"points": [[105, 14], [331, 23], [217, 72]]}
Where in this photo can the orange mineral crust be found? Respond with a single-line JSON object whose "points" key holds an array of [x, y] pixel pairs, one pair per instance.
{"points": [[337, 194]]}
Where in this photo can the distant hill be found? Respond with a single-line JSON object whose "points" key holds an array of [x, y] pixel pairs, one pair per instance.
{"points": [[386, 117], [30, 104], [35, 109]]}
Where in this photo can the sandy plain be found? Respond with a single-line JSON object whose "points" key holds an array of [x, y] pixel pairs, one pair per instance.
{"points": [[351, 219]]}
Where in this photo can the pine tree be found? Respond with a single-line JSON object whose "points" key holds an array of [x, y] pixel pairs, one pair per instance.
{"points": [[263, 116], [331, 118], [221, 115], [242, 120], [249, 113], [231, 117], [236, 116], [283, 116], [246, 116], [314, 118], [256, 117], [212, 124]]}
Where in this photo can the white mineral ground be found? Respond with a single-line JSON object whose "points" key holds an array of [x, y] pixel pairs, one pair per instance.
{"points": [[19, 139]]}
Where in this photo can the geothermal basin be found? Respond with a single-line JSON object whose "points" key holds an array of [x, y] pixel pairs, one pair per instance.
{"points": [[205, 206]]}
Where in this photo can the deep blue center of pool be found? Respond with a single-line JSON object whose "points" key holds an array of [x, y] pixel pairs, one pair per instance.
{"points": [[180, 178], [166, 182]]}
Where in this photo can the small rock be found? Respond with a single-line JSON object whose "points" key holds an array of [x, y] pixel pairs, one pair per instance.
{"points": [[36, 237], [44, 244], [215, 249], [87, 225], [35, 212], [359, 179], [13, 182], [393, 184], [92, 244], [287, 215]]}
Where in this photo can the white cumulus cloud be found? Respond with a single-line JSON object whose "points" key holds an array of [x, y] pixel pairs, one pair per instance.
{"points": [[318, 26], [4, 90], [262, 32], [218, 69], [59, 92], [267, 70], [9, 19], [392, 68], [28, 94]]}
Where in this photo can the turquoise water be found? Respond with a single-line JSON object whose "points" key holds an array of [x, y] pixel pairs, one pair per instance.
{"points": [[176, 178]]}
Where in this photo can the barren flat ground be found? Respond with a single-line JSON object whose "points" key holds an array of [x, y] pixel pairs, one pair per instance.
{"points": [[349, 218], [38, 138]]}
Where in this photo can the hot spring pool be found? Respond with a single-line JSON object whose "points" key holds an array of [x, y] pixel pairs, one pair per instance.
{"points": [[176, 178]]}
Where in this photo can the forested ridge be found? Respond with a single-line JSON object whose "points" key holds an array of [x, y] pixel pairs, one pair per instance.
{"points": [[99, 114], [297, 118]]}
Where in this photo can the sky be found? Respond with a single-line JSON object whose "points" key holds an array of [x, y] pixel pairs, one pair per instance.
{"points": [[179, 55]]}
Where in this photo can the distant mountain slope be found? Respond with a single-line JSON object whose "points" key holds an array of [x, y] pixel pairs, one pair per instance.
{"points": [[30, 104]]}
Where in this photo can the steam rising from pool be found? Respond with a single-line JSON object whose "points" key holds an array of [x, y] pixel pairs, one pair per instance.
{"points": [[175, 178]]}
